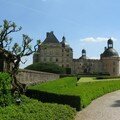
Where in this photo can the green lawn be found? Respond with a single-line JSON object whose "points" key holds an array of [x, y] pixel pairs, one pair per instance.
{"points": [[93, 79], [86, 79], [87, 91]]}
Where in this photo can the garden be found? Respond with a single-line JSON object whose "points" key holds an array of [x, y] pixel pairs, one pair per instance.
{"points": [[55, 100], [77, 94], [14, 105], [26, 108]]}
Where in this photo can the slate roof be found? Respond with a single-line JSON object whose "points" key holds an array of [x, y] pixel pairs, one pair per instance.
{"points": [[50, 38], [110, 52]]}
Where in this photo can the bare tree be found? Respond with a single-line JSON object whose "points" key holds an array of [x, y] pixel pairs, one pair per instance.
{"points": [[13, 54]]}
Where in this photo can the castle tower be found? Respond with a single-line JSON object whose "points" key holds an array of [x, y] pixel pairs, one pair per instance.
{"points": [[110, 59], [83, 54]]}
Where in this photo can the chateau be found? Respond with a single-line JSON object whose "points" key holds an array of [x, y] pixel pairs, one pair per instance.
{"points": [[60, 53]]}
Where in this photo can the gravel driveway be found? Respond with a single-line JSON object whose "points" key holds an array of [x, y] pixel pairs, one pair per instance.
{"points": [[106, 107]]}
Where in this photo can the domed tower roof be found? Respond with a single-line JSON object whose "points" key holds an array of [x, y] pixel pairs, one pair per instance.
{"points": [[83, 51], [110, 51], [50, 38], [83, 54], [110, 43]]}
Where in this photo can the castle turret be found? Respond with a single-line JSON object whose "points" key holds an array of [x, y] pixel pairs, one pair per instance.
{"points": [[83, 54], [64, 42], [110, 51], [110, 43], [110, 59]]}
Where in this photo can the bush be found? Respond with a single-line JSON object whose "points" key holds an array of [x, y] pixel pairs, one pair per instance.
{"points": [[46, 67], [65, 89], [107, 77], [73, 101], [34, 110], [5, 86]]}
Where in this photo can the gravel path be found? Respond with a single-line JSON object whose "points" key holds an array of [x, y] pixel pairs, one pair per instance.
{"points": [[106, 107]]}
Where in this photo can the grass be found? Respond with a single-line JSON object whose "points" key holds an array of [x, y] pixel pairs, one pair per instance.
{"points": [[93, 79], [86, 79], [57, 86], [87, 91], [34, 110]]}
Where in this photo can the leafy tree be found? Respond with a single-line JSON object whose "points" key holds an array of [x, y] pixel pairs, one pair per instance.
{"points": [[5, 85], [46, 67], [12, 53]]}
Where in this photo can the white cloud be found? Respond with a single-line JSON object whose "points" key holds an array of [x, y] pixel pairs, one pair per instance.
{"points": [[96, 40]]}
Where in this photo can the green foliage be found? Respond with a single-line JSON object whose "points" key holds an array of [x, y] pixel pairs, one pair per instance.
{"points": [[108, 77], [46, 67], [5, 86], [86, 91], [34, 110]]}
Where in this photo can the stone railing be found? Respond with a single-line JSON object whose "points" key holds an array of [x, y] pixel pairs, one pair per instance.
{"points": [[29, 77]]}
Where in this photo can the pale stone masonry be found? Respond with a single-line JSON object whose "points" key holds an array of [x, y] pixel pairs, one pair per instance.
{"points": [[60, 53], [30, 77]]}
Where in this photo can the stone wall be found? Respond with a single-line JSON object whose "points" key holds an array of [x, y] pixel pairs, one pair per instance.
{"points": [[29, 77]]}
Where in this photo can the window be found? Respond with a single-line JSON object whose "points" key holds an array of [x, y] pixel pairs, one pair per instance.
{"points": [[50, 59], [56, 60], [113, 62], [113, 70], [67, 65]]}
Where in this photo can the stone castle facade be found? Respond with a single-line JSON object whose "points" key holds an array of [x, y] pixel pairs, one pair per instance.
{"points": [[60, 53]]}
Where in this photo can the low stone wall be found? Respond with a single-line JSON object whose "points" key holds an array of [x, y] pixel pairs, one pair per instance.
{"points": [[29, 77]]}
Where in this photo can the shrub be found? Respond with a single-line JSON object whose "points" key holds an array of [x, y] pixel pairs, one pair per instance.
{"points": [[73, 101], [5, 86], [107, 77], [66, 89], [34, 110], [46, 67]]}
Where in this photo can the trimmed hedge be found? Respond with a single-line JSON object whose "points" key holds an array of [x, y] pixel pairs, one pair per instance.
{"points": [[84, 93], [34, 110], [107, 77], [73, 101]]}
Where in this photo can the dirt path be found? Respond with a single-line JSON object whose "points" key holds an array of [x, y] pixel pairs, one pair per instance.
{"points": [[106, 107]]}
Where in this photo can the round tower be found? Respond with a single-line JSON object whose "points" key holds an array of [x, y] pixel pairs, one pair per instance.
{"points": [[110, 60], [83, 52]]}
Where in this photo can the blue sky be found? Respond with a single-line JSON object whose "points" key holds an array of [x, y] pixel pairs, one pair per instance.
{"points": [[85, 23]]}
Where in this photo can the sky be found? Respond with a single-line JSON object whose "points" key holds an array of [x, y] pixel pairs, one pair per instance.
{"points": [[86, 24]]}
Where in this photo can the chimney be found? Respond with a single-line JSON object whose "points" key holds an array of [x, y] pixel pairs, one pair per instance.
{"points": [[51, 32], [47, 34]]}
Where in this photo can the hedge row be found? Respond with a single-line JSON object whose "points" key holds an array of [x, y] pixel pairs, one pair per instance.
{"points": [[107, 77], [34, 110], [73, 101], [65, 91]]}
